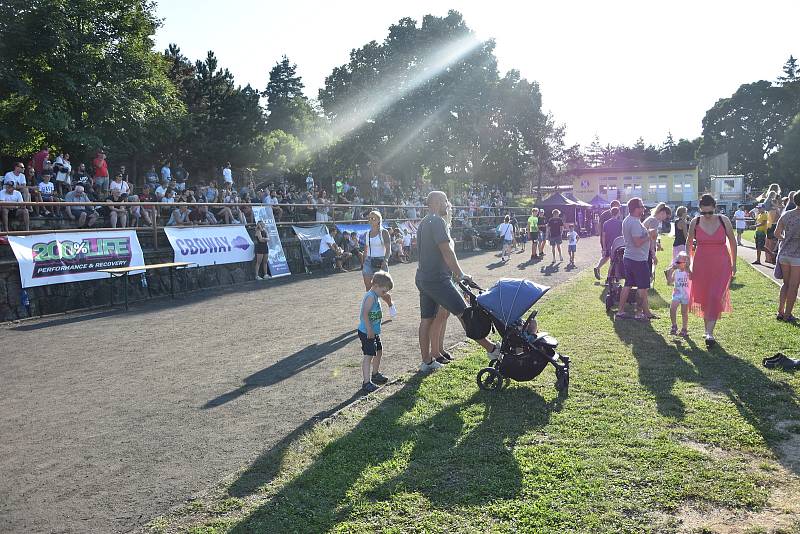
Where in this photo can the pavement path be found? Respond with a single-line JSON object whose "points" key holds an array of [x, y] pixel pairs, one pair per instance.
{"points": [[110, 419]]}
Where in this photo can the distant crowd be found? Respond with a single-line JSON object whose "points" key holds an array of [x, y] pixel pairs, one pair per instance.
{"points": [[52, 177]]}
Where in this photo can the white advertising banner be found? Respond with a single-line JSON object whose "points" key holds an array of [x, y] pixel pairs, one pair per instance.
{"points": [[276, 258], [74, 256], [210, 245]]}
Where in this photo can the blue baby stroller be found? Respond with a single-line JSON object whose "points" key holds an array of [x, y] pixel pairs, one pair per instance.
{"points": [[524, 352]]}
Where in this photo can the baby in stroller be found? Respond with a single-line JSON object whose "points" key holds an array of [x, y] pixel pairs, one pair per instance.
{"points": [[524, 351]]}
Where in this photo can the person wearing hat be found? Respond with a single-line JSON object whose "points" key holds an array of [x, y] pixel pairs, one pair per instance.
{"points": [[9, 200]]}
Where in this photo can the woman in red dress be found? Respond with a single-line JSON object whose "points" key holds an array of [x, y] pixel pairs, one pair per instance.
{"points": [[713, 264]]}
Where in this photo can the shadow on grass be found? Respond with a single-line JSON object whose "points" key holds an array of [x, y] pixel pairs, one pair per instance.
{"points": [[761, 401], [285, 368], [451, 464]]}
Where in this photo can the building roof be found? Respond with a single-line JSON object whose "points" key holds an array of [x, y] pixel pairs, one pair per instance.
{"points": [[556, 200], [640, 166]]}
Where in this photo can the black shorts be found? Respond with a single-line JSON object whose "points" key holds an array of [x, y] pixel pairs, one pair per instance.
{"points": [[261, 248], [761, 241], [370, 347], [441, 293]]}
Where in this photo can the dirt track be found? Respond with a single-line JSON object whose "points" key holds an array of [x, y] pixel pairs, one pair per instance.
{"points": [[110, 419]]}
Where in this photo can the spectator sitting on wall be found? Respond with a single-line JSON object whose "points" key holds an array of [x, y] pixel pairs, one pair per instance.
{"points": [[138, 214], [118, 212], [17, 178], [202, 216], [119, 184], [329, 250], [85, 214], [45, 193], [9, 197], [179, 216]]}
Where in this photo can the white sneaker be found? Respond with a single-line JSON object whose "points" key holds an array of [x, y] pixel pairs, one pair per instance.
{"points": [[258, 278], [392, 311], [494, 354], [428, 367]]}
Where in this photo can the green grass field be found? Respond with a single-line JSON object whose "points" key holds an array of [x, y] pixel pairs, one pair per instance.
{"points": [[656, 434]]}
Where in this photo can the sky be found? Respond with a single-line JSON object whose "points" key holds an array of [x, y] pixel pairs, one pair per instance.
{"points": [[619, 70]]}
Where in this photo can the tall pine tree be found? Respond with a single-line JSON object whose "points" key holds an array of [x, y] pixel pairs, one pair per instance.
{"points": [[289, 110]]}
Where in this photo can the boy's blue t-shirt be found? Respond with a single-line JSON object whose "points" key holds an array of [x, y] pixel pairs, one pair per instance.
{"points": [[375, 314]]}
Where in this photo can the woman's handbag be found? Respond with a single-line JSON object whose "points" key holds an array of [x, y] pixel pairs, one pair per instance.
{"points": [[778, 272], [376, 263]]}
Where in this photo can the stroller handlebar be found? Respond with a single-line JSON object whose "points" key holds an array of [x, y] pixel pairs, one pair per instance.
{"points": [[467, 284]]}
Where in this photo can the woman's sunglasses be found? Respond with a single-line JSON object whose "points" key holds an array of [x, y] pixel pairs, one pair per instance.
{"points": [[707, 213]]}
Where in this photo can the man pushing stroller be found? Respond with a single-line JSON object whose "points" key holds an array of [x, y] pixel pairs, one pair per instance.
{"points": [[436, 268]]}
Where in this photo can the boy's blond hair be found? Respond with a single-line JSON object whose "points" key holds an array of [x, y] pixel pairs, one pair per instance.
{"points": [[382, 279]]}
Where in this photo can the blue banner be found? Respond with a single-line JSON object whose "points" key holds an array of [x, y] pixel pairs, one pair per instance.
{"points": [[276, 259]]}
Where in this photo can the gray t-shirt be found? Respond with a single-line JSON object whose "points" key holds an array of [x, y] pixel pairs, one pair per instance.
{"points": [[632, 227], [432, 231]]}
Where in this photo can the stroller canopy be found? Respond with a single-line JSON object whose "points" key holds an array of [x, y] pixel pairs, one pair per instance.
{"points": [[510, 298]]}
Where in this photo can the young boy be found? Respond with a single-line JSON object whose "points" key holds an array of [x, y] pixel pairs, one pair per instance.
{"points": [[680, 293], [46, 191], [522, 240], [369, 330], [572, 244]]}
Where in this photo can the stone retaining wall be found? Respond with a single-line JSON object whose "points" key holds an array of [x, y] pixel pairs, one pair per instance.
{"points": [[58, 298]]}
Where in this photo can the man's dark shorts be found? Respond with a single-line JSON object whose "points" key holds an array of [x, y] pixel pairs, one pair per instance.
{"points": [[328, 255], [637, 273], [761, 240], [442, 293], [370, 347]]}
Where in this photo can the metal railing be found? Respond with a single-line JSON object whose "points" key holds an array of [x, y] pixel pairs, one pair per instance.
{"points": [[154, 208]]}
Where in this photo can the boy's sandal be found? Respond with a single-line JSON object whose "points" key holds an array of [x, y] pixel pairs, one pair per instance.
{"points": [[684, 333], [623, 315], [642, 318], [779, 317], [673, 331], [790, 319]]}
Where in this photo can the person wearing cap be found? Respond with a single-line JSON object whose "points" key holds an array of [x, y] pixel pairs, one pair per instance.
{"points": [[635, 260], [9, 204]]}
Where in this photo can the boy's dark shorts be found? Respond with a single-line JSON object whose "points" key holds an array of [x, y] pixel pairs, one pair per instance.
{"points": [[442, 293], [370, 347], [637, 273], [761, 240]]}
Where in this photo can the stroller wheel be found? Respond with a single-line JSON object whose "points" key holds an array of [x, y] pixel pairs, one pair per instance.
{"points": [[506, 383], [562, 382], [489, 378], [609, 302]]}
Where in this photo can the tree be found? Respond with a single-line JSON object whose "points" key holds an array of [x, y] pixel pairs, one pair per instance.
{"points": [[223, 121], [282, 154], [790, 71], [429, 100], [668, 148], [80, 82], [289, 110], [749, 125], [788, 158], [594, 153]]}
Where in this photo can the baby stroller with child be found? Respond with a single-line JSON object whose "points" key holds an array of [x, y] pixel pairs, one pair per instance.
{"points": [[524, 351], [616, 273]]}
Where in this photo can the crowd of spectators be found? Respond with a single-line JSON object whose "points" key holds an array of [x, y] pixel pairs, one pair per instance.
{"points": [[52, 176]]}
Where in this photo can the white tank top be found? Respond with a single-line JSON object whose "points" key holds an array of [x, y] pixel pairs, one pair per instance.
{"points": [[375, 246]]}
